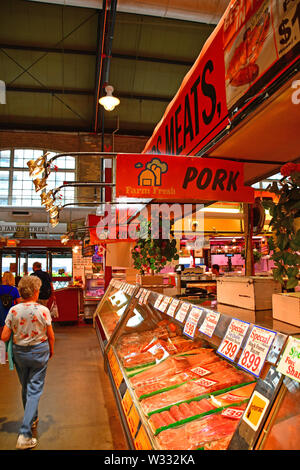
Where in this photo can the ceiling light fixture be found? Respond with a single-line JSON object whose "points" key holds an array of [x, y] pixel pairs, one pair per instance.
{"points": [[36, 167], [109, 102]]}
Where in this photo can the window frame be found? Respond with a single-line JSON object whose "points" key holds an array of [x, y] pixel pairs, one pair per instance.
{"points": [[11, 169]]}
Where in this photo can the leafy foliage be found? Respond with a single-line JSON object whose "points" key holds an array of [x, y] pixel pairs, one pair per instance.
{"points": [[285, 243], [152, 254]]}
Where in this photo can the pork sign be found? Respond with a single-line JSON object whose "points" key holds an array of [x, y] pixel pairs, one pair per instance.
{"points": [[179, 179]]}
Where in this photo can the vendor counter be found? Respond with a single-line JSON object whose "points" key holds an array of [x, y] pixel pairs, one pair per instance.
{"points": [[69, 303]]}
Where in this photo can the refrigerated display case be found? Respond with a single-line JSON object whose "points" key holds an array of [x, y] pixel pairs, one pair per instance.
{"points": [[92, 294], [186, 377]]}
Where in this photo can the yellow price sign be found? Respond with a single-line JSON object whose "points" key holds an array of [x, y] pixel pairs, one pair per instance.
{"points": [[133, 420], [127, 402], [142, 441]]}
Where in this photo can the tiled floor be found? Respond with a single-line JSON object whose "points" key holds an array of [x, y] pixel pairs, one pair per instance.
{"points": [[77, 409]]}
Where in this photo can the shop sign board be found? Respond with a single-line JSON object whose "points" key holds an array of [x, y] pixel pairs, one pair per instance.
{"points": [[166, 178], [253, 42], [289, 363]]}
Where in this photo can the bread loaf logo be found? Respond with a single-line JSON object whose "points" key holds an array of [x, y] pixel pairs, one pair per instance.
{"points": [[151, 175], [255, 410]]}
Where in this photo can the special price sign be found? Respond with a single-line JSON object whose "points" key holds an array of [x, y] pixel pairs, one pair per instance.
{"points": [[255, 352], [289, 363], [233, 339], [192, 321]]}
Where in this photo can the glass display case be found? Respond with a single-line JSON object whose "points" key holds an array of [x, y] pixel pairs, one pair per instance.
{"points": [[92, 293], [186, 377]]}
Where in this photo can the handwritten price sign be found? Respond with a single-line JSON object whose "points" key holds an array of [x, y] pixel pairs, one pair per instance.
{"points": [[192, 321], [233, 339], [210, 322], [256, 349], [172, 307], [234, 413], [182, 312]]}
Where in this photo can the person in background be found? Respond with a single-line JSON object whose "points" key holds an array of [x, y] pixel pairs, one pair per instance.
{"points": [[9, 296], [33, 345], [46, 290], [215, 269]]}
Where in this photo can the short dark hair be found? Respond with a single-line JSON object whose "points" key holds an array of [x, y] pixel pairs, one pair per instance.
{"points": [[37, 265], [216, 266]]}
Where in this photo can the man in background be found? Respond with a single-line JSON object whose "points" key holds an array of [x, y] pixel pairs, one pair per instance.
{"points": [[46, 289]]}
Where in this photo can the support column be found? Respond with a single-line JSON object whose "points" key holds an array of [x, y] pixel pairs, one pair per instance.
{"points": [[248, 229]]}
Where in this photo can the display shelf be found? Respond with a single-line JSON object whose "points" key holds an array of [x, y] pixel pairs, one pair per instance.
{"points": [[157, 331]]}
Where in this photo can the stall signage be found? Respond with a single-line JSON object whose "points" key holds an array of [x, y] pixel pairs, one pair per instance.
{"points": [[142, 441], [172, 308], [210, 322], [256, 349], [289, 363], [174, 179], [233, 339], [192, 321], [162, 307], [133, 420], [127, 402], [255, 410], [158, 301], [182, 312]]}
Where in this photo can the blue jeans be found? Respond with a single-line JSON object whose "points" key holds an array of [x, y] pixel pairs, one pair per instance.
{"points": [[31, 365]]}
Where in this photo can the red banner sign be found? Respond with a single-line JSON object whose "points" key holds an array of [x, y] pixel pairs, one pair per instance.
{"points": [[181, 179]]}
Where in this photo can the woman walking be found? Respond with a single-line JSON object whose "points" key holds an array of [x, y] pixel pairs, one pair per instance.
{"points": [[33, 345], [9, 295]]}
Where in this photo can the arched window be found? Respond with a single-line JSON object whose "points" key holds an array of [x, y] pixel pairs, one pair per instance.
{"points": [[16, 186]]}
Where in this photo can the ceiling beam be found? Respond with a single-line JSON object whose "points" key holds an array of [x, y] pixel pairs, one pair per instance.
{"points": [[93, 53]]}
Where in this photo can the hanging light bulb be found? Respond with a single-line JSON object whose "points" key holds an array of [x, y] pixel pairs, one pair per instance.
{"points": [[109, 102], [47, 198], [39, 184], [75, 249], [54, 221], [53, 211], [64, 239]]}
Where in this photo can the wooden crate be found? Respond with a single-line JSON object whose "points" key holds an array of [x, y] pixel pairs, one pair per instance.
{"points": [[253, 292], [286, 307], [149, 280]]}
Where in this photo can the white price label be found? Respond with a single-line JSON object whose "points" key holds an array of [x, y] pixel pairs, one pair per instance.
{"points": [[200, 371], [210, 322], [158, 301], [182, 312], [139, 292], [192, 321], [172, 307], [233, 339], [147, 296], [162, 307], [141, 297], [256, 349], [289, 363], [207, 383], [234, 413]]}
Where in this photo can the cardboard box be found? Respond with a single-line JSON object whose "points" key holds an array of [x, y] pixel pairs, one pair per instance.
{"points": [[253, 292], [286, 307]]}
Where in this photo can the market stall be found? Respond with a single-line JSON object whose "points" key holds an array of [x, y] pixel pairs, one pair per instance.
{"points": [[187, 377]]}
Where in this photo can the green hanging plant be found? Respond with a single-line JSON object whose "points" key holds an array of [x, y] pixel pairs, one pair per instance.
{"points": [[285, 243], [149, 254]]}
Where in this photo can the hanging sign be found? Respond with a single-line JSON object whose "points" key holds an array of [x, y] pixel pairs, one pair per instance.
{"points": [[256, 349], [176, 179], [192, 321], [210, 323], [289, 363], [233, 339]]}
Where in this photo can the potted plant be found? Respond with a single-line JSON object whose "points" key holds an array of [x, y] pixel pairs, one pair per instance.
{"points": [[150, 254], [285, 243]]}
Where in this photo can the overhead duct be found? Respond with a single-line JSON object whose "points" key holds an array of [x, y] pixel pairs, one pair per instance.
{"points": [[202, 11]]}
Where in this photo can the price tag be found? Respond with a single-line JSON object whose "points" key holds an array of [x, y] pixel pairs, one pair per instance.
{"points": [[210, 322], [207, 383], [182, 312], [289, 363], [138, 293], [162, 307], [127, 402], [141, 297], [158, 301], [148, 292], [233, 339], [133, 420], [118, 377], [142, 442], [256, 349], [172, 307], [192, 321], [234, 413], [200, 371]]}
